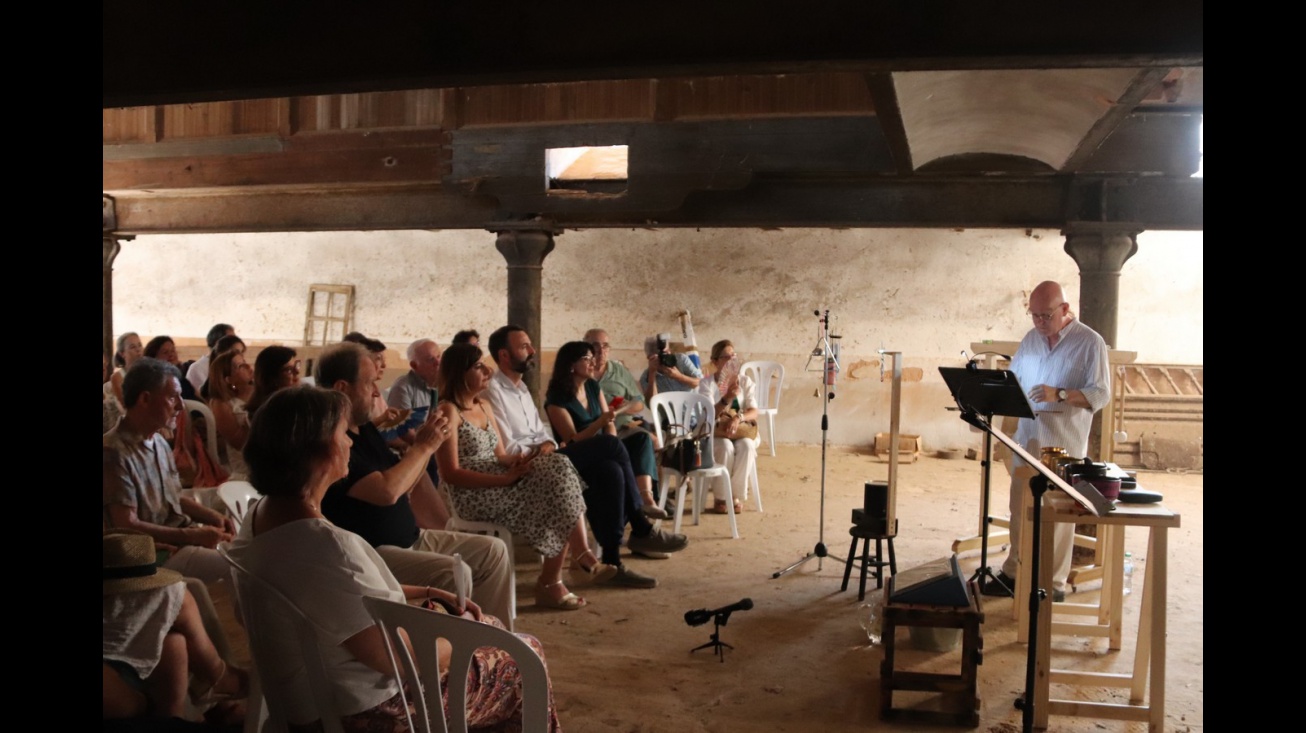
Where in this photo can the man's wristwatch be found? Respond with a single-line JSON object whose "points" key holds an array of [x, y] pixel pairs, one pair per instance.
{"points": [[1062, 395]]}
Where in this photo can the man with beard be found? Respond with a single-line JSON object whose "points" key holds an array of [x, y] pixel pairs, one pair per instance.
{"points": [[611, 498], [377, 499]]}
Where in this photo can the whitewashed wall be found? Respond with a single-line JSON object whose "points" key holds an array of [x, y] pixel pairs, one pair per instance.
{"points": [[926, 293]]}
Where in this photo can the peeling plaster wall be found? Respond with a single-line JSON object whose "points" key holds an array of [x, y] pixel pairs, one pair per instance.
{"points": [[925, 292]]}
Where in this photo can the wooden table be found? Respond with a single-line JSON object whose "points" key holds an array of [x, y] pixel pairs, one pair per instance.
{"points": [[1146, 682]]}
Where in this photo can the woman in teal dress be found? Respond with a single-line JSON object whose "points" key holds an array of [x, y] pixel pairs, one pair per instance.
{"points": [[578, 410]]}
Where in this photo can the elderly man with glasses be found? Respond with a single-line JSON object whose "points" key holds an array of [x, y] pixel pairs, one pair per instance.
{"points": [[1063, 365], [615, 380]]}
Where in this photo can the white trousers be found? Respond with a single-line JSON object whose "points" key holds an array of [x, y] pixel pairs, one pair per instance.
{"points": [[1063, 535], [740, 456]]}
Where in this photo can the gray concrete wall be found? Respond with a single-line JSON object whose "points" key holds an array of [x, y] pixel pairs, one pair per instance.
{"points": [[926, 293]]}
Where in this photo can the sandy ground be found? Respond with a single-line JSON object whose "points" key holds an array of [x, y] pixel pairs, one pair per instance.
{"points": [[801, 659]]}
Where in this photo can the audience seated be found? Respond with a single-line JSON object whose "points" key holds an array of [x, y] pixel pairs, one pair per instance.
{"points": [[536, 497], [578, 409], [417, 392], [392, 504], [616, 381], [141, 483], [163, 348], [299, 447], [381, 413], [681, 377], [275, 368], [611, 494], [230, 342], [198, 371], [467, 336], [129, 350], [231, 384], [735, 397], [156, 648]]}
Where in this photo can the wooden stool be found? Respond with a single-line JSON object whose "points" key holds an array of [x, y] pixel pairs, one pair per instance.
{"points": [[872, 564], [960, 688]]}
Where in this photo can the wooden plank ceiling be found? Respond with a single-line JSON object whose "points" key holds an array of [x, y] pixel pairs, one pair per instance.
{"points": [[974, 138]]}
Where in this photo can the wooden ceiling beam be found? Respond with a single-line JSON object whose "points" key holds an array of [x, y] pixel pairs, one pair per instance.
{"points": [[1039, 202]]}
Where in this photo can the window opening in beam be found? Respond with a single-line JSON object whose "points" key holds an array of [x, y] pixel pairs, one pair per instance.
{"points": [[594, 169]]}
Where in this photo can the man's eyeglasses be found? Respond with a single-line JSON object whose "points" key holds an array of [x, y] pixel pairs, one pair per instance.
{"points": [[1045, 317], [600, 346]]}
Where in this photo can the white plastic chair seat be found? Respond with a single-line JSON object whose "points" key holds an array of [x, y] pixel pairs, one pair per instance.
{"points": [[465, 636], [769, 376], [470, 526], [681, 410]]}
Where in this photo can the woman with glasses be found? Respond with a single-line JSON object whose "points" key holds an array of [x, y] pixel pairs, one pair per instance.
{"points": [[578, 409], [231, 385], [538, 498], [275, 368], [735, 398]]}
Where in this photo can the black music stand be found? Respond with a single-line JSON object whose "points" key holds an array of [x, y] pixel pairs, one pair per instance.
{"points": [[1084, 494], [981, 394]]}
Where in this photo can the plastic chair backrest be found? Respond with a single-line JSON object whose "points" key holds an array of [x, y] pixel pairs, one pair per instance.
{"points": [[465, 636], [681, 411], [210, 427], [257, 602], [237, 496], [768, 377]]}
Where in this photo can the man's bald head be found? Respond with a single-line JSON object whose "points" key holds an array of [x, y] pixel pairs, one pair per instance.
{"points": [[1048, 308]]}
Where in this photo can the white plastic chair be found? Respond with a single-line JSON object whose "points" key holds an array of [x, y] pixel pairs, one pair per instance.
{"points": [[682, 410], [465, 636], [769, 377], [237, 496], [258, 603], [470, 526], [210, 429]]}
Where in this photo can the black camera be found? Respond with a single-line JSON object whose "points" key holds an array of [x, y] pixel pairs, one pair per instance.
{"points": [[667, 360]]}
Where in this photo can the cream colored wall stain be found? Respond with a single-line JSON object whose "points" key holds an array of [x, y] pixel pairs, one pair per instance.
{"points": [[926, 293]]}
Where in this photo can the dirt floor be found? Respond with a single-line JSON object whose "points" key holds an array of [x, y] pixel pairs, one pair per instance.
{"points": [[801, 659]]}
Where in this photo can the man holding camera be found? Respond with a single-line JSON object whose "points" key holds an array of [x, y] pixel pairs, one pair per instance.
{"points": [[673, 372]]}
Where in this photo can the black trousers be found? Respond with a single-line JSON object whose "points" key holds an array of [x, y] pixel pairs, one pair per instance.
{"points": [[612, 499]]}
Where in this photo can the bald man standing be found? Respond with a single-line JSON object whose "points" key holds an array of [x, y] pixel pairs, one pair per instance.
{"points": [[1063, 365]]}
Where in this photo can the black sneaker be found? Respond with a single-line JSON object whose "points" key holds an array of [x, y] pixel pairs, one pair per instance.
{"points": [[1058, 596], [1004, 586], [657, 540]]}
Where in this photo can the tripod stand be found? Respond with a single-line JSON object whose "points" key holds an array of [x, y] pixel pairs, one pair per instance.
{"points": [[719, 620], [829, 365]]}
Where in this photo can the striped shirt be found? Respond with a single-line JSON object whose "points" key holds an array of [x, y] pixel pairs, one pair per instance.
{"points": [[1078, 361]]}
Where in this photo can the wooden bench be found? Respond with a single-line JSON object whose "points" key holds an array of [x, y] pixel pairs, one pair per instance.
{"points": [[957, 691]]}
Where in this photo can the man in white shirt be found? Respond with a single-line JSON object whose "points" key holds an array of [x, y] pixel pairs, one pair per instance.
{"points": [[611, 497], [198, 372], [1063, 364]]}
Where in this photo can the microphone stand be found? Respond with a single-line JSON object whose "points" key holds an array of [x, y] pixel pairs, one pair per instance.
{"points": [[719, 620], [829, 367]]}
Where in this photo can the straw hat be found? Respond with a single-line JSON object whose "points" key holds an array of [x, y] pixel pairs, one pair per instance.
{"points": [[129, 565]]}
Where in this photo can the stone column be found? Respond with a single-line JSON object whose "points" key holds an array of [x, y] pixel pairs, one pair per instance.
{"points": [[1100, 250], [110, 241], [525, 249]]}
